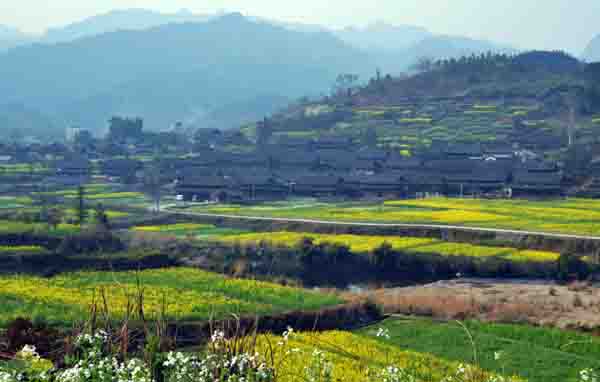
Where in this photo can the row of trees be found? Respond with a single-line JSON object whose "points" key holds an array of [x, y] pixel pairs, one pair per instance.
{"points": [[499, 62], [334, 264], [54, 216]]}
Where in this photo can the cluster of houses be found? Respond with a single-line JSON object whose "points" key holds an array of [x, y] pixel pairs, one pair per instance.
{"points": [[333, 167]]}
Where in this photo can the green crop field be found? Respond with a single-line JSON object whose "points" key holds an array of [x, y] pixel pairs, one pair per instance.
{"points": [[187, 294], [21, 250], [412, 245], [535, 354], [18, 168], [8, 226], [189, 230], [353, 357], [10, 202], [570, 216]]}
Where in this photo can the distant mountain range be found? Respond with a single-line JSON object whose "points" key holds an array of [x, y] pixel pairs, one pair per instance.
{"points": [[127, 19], [205, 70], [592, 52], [12, 37], [174, 72], [383, 37]]}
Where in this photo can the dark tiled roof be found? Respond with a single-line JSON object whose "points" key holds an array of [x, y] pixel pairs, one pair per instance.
{"points": [[527, 178], [537, 166], [206, 181], [373, 179], [373, 154], [470, 149], [451, 165], [294, 157], [319, 180], [403, 163]]}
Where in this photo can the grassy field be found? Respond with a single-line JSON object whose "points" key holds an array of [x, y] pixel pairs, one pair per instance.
{"points": [[8, 226], [100, 193], [571, 216], [364, 244], [21, 250], [189, 294], [22, 168], [535, 354], [10, 202], [189, 231]]}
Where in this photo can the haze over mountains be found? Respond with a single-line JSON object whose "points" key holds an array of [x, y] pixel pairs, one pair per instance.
{"points": [[173, 72], [592, 52], [12, 37], [206, 70]]}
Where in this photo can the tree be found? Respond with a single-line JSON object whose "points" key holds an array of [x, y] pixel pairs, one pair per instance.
{"points": [[344, 84], [264, 131], [101, 217], [55, 217], [80, 208], [152, 183], [383, 256], [423, 65], [122, 129], [370, 137]]}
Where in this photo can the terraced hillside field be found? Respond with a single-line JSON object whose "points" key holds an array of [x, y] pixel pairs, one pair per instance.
{"points": [[568, 216], [186, 294]]}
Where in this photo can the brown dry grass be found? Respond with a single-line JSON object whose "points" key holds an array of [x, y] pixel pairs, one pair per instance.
{"points": [[538, 303]]}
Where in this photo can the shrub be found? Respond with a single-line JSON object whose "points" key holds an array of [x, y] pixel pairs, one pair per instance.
{"points": [[90, 242]]}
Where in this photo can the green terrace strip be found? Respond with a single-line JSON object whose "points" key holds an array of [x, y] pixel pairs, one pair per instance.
{"points": [[93, 188], [14, 227], [185, 294], [411, 245], [22, 250], [111, 195], [9, 202], [567, 216], [22, 168], [535, 354], [188, 230]]}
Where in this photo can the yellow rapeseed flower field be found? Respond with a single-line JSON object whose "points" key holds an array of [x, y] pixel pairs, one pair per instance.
{"points": [[352, 356], [364, 244], [185, 293], [571, 216]]}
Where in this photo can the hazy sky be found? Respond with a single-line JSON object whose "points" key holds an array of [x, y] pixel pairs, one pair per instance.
{"points": [[544, 24]]}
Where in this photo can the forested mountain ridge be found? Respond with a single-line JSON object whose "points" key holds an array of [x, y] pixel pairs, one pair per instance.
{"points": [[173, 72], [126, 19]]}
